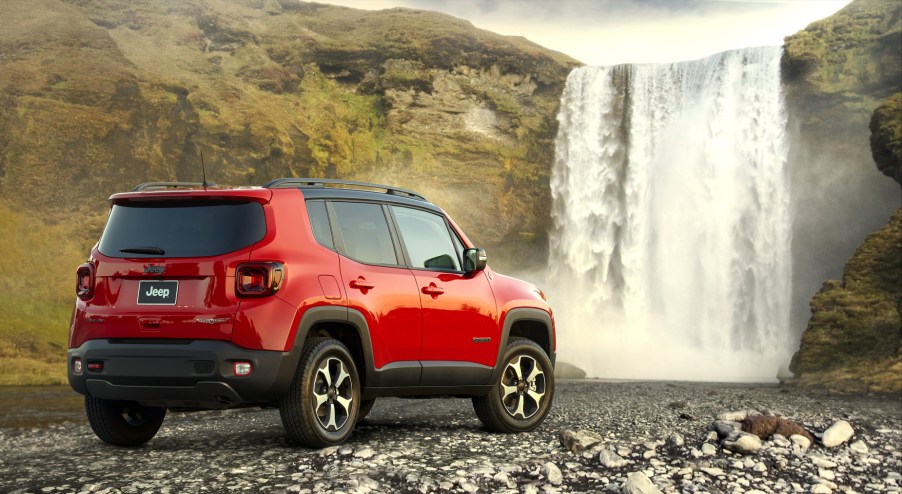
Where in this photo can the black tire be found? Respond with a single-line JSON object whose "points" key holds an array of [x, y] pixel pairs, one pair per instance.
{"points": [[521, 398], [365, 407], [314, 411], [123, 423]]}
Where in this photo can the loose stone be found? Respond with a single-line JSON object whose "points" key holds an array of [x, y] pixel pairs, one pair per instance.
{"points": [[639, 483], [746, 444], [838, 433]]}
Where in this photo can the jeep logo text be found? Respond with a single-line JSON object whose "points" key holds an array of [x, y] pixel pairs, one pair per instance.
{"points": [[158, 292], [151, 269]]}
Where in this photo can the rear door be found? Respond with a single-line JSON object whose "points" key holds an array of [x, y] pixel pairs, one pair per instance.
{"points": [[166, 267], [380, 287]]}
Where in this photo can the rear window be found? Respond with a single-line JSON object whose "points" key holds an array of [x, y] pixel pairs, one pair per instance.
{"points": [[182, 229]]}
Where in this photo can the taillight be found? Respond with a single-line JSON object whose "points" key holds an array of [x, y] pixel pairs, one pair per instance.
{"points": [[84, 281], [258, 279]]}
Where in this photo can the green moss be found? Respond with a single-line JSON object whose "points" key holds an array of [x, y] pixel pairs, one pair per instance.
{"points": [[856, 47]]}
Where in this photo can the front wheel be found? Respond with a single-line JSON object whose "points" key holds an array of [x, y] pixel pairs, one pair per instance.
{"points": [[320, 408], [123, 423], [521, 398]]}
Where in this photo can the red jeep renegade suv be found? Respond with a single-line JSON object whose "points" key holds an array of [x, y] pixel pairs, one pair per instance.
{"points": [[315, 295]]}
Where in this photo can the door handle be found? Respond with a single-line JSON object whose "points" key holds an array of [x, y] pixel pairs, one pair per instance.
{"points": [[361, 284], [433, 290]]}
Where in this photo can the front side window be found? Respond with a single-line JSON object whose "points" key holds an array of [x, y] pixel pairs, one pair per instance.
{"points": [[197, 228], [427, 239], [364, 229]]}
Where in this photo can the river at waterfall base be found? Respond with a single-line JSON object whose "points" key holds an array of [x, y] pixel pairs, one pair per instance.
{"points": [[670, 255]]}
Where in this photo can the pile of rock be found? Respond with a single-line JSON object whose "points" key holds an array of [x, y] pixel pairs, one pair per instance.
{"points": [[740, 449]]}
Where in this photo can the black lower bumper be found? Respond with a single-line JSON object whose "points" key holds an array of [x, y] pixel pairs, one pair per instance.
{"points": [[182, 374]]}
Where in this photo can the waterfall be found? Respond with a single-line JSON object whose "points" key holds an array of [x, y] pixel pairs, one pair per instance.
{"points": [[670, 255]]}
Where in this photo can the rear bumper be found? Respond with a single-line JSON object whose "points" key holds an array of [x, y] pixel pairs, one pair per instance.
{"points": [[183, 374]]}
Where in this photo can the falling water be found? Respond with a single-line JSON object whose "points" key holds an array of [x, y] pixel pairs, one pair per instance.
{"points": [[670, 255]]}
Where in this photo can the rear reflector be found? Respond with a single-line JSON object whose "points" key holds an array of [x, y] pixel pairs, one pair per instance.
{"points": [[95, 366], [243, 368]]}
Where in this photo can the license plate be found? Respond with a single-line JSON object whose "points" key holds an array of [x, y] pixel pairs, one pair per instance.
{"points": [[157, 292]]}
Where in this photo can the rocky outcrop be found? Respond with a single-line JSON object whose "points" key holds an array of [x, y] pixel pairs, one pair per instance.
{"points": [[852, 343], [886, 137]]}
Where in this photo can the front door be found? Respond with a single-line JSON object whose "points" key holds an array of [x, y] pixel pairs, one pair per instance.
{"points": [[460, 320]]}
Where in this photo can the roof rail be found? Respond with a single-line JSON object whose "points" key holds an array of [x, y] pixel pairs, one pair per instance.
{"points": [[324, 182], [169, 185]]}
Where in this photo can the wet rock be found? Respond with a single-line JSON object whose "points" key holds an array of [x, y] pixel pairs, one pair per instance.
{"points": [[725, 428], [781, 441], [746, 444], [364, 453], [566, 370], [552, 473], [579, 441], [610, 459], [859, 447], [801, 441], [838, 433], [675, 440], [638, 483], [822, 462], [738, 415]]}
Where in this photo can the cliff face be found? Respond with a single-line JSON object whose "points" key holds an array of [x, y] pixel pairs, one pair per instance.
{"points": [[835, 73], [852, 343], [842, 77], [96, 96]]}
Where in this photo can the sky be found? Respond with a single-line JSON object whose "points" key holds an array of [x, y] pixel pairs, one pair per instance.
{"points": [[610, 32]]}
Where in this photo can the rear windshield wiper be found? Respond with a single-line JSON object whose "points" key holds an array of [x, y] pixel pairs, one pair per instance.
{"points": [[143, 250]]}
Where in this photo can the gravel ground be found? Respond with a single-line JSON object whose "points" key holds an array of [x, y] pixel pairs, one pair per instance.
{"points": [[438, 445]]}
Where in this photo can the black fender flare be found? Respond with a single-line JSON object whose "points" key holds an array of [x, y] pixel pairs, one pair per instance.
{"points": [[518, 315], [342, 315]]}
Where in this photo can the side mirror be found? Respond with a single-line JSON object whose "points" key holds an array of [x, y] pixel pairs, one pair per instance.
{"points": [[475, 260]]}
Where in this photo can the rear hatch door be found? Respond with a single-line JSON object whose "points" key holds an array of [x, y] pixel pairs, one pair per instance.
{"points": [[165, 265]]}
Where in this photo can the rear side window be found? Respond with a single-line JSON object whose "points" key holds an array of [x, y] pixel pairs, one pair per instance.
{"points": [[364, 231], [319, 221], [182, 228]]}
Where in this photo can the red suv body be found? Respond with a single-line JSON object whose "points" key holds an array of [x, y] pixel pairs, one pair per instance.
{"points": [[316, 295]]}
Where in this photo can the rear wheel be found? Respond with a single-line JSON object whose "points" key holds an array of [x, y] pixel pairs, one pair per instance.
{"points": [[521, 398], [123, 423], [320, 409]]}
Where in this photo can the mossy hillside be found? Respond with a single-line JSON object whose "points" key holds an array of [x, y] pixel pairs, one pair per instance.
{"points": [[852, 54], [852, 343], [37, 295], [96, 96]]}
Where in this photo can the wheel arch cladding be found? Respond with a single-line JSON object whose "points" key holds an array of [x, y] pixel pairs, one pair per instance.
{"points": [[529, 323], [345, 325]]}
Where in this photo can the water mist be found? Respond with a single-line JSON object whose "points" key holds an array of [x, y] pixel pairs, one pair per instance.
{"points": [[670, 255]]}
